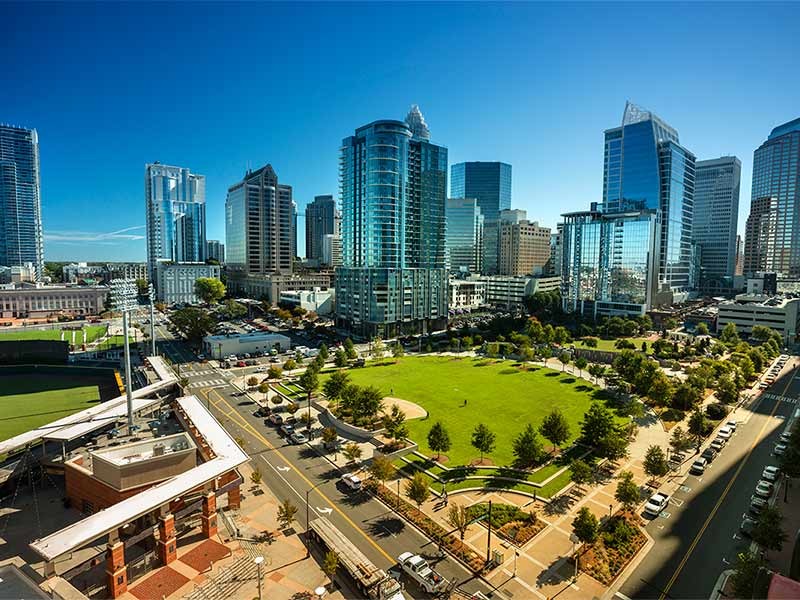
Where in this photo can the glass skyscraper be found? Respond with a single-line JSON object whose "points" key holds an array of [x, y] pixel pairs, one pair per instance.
{"points": [[772, 240], [175, 215], [20, 201], [393, 187], [490, 184], [320, 221], [716, 216], [464, 238]]}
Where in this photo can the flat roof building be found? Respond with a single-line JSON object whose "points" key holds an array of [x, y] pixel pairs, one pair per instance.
{"points": [[748, 310], [221, 346]]}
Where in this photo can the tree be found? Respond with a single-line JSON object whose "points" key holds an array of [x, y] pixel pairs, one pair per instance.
{"points": [[581, 472], [397, 350], [527, 447], [545, 353], [252, 381], [263, 388], [329, 435], [381, 468], [290, 364], [561, 336], [209, 289], [233, 309], [483, 440], [590, 342], [686, 395], [458, 518], [340, 359], [292, 407], [680, 441], [585, 526], [701, 329], [745, 574], [366, 402], [378, 348], [274, 372], [555, 428], [627, 492], [655, 462], [597, 424], [565, 358], [334, 385], [581, 363], [195, 323], [727, 391], [697, 425], [142, 287], [438, 439], [768, 533], [350, 349], [330, 563], [323, 352], [395, 423], [255, 476], [729, 335], [417, 489], [286, 513], [596, 371], [352, 452], [661, 390]]}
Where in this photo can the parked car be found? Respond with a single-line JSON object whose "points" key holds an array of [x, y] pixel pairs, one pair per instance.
{"points": [[298, 438], [747, 525], [718, 444], [276, 419], [709, 454], [764, 489], [725, 432], [757, 504], [287, 429], [699, 466], [731, 424], [351, 481], [771, 473], [656, 504], [779, 450], [786, 437], [241, 364]]}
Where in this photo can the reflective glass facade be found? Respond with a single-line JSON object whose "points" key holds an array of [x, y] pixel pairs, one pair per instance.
{"points": [[20, 202], [175, 215], [716, 215], [320, 221], [490, 184], [464, 237], [393, 190], [776, 176]]}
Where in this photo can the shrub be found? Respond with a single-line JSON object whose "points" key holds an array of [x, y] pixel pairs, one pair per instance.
{"points": [[716, 411], [673, 414]]}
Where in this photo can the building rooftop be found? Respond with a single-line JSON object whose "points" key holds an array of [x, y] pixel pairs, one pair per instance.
{"points": [[789, 127], [256, 336]]}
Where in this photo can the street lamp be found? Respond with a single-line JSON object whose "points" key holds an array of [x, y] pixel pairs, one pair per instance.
{"points": [[124, 296], [151, 293], [259, 561], [574, 539], [308, 515]]}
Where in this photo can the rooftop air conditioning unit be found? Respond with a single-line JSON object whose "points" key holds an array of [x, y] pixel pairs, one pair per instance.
{"points": [[158, 450]]}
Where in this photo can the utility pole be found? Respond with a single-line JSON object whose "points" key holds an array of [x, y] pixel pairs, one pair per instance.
{"points": [[124, 298]]}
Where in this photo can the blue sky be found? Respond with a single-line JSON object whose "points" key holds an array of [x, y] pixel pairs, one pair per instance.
{"points": [[219, 87]]}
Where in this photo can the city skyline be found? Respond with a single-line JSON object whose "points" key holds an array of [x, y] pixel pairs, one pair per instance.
{"points": [[540, 122]]}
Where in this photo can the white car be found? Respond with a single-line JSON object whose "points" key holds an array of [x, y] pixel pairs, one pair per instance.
{"points": [[779, 450], [725, 432], [731, 425], [770, 473], [699, 466], [786, 437], [352, 481], [656, 504], [764, 489]]}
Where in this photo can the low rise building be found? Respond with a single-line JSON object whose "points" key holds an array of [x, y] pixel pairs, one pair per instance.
{"points": [[317, 300], [175, 282], [467, 294], [506, 291], [27, 300], [220, 346], [270, 287], [748, 310], [127, 271]]}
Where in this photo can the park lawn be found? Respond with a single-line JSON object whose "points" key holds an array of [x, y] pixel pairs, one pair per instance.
{"points": [[608, 345], [27, 403], [91, 332], [497, 393]]}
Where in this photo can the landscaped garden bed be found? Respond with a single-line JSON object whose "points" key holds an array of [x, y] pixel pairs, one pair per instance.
{"points": [[619, 540], [508, 521]]}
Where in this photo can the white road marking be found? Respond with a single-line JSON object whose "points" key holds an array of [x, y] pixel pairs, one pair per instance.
{"points": [[324, 511]]}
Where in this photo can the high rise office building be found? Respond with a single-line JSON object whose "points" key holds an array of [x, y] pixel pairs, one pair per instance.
{"points": [[490, 184], [393, 189], [20, 201], [175, 215], [716, 216], [321, 217], [635, 250], [294, 230], [524, 247], [464, 237], [739, 255], [215, 250], [331, 250], [772, 238], [258, 225]]}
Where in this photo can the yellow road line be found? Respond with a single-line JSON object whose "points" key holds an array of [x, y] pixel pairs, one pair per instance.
{"points": [[246, 426], [700, 533]]}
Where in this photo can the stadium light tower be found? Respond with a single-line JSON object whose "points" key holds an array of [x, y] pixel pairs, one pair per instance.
{"points": [[124, 298], [151, 293]]}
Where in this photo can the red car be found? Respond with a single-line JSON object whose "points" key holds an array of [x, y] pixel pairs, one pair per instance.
{"points": [[241, 364]]}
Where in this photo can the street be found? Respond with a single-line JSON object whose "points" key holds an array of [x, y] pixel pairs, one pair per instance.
{"points": [[697, 536]]}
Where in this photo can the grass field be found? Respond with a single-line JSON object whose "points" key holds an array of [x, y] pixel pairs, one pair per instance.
{"points": [[609, 345], [27, 402], [84, 336], [497, 393]]}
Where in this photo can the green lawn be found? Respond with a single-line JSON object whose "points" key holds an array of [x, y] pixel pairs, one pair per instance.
{"points": [[90, 333], [497, 393], [27, 402], [608, 345]]}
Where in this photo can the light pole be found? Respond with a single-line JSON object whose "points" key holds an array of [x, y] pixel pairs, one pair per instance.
{"points": [[259, 560], [308, 515], [574, 539], [124, 299], [152, 296]]}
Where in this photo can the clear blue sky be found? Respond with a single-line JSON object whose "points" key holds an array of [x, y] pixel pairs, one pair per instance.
{"points": [[218, 87]]}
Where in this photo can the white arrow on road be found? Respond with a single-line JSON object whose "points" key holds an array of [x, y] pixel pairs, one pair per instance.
{"points": [[284, 469], [324, 511]]}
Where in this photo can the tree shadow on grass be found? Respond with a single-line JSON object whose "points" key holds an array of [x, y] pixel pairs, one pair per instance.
{"points": [[584, 388], [509, 372], [567, 380], [552, 374]]}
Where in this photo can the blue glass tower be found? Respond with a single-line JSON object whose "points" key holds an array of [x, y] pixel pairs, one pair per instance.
{"points": [[490, 184], [20, 202], [393, 186]]}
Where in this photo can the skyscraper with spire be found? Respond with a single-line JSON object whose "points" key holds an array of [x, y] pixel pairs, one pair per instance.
{"points": [[393, 188]]}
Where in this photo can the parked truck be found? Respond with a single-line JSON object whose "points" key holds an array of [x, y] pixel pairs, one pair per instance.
{"points": [[372, 582], [421, 572]]}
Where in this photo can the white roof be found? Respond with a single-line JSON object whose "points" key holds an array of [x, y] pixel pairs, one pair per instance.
{"points": [[228, 456]]}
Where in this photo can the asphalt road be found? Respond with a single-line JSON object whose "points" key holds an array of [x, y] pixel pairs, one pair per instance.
{"points": [[290, 471], [697, 537]]}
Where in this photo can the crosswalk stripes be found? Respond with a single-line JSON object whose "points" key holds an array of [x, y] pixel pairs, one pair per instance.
{"points": [[201, 372], [207, 383], [778, 397]]}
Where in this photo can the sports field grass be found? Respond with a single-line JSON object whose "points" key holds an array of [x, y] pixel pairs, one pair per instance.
{"points": [[503, 396], [27, 402], [83, 336]]}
